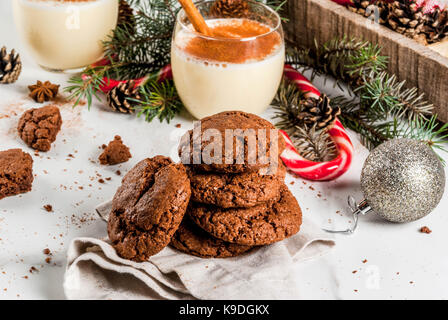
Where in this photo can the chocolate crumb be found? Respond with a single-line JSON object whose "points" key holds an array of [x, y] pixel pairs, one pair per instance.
{"points": [[425, 229], [116, 152], [364, 261], [178, 125], [48, 207], [108, 178], [101, 181], [354, 271], [118, 173], [48, 260], [47, 251]]}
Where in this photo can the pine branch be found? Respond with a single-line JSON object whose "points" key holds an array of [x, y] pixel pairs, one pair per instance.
{"points": [[158, 100], [382, 108], [313, 144]]}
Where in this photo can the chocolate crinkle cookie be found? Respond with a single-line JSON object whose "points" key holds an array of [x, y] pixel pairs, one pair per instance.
{"points": [[260, 225], [148, 208], [38, 127], [245, 189], [191, 239], [243, 143], [16, 172], [115, 152]]}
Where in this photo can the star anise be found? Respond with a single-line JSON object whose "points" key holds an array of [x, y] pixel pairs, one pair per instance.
{"points": [[43, 91]]}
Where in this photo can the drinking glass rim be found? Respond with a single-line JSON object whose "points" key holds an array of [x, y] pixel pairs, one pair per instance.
{"points": [[274, 29]]}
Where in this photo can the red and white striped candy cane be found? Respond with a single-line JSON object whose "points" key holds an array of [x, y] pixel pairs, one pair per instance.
{"points": [[108, 84], [319, 171]]}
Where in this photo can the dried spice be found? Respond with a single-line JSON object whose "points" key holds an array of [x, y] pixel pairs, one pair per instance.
{"points": [[43, 91]]}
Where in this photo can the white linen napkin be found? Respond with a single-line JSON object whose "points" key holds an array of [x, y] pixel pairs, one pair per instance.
{"points": [[95, 271]]}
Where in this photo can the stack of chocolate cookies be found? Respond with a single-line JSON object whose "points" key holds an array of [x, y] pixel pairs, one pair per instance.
{"points": [[242, 203], [234, 204]]}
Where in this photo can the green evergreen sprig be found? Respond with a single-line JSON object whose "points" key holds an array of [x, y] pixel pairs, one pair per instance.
{"points": [[380, 106], [158, 100]]}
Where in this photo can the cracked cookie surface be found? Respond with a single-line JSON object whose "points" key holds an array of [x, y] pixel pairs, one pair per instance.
{"points": [[244, 190], [191, 239], [263, 224], [148, 208], [38, 127], [248, 129], [16, 172]]}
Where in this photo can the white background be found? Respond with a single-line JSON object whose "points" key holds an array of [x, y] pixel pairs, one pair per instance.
{"points": [[402, 263]]}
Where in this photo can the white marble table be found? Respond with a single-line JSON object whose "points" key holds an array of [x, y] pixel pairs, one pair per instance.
{"points": [[402, 263]]}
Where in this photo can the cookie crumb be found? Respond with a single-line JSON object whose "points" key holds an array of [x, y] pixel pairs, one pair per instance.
{"points": [[364, 261], [116, 152], [425, 229], [118, 173], [47, 251], [48, 207], [101, 181], [48, 260], [354, 271], [178, 125]]}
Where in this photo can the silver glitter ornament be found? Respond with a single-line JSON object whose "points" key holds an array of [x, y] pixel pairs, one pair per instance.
{"points": [[402, 180]]}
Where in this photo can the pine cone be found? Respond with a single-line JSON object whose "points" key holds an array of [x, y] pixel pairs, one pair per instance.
{"points": [[318, 112], [230, 9], [436, 25], [360, 6], [407, 18], [10, 66], [126, 17], [118, 97]]}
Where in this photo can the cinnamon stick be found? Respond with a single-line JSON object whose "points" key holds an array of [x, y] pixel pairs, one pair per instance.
{"points": [[195, 17]]}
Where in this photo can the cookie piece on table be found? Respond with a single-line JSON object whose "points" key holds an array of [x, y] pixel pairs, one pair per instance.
{"points": [[248, 135], [148, 208], [115, 152], [191, 239], [263, 224], [16, 172], [38, 127], [232, 190]]}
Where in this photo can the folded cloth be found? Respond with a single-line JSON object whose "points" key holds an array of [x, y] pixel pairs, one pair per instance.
{"points": [[95, 271]]}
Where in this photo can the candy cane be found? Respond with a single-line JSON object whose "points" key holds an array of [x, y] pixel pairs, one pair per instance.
{"points": [[319, 171], [108, 84]]}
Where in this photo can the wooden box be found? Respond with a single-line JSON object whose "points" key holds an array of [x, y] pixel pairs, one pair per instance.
{"points": [[420, 66]]}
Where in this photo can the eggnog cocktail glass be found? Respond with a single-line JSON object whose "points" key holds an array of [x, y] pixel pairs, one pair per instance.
{"points": [[238, 67], [65, 34]]}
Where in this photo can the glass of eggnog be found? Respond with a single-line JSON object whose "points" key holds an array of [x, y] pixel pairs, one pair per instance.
{"points": [[238, 67], [65, 34]]}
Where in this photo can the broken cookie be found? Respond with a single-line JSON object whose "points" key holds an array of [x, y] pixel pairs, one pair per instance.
{"points": [[116, 152], [38, 127], [16, 172]]}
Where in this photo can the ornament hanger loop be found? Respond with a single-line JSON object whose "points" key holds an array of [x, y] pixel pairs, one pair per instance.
{"points": [[361, 208]]}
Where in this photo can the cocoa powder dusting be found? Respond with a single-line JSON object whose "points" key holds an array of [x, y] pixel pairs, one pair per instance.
{"points": [[224, 47]]}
